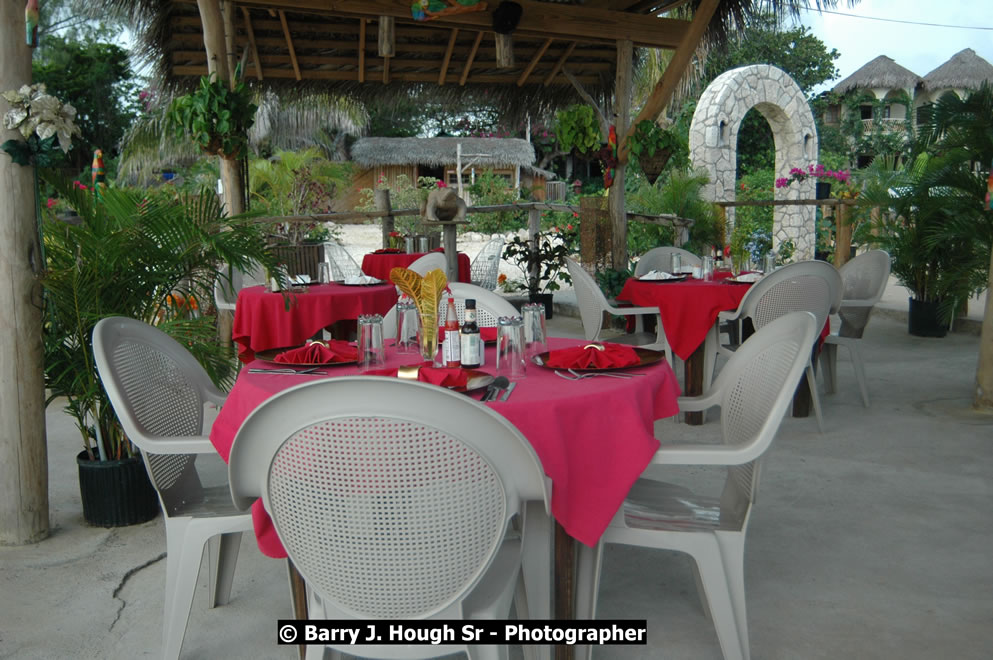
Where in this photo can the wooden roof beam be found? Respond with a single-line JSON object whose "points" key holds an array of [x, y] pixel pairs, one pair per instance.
{"points": [[540, 19], [670, 78], [289, 45], [558, 65], [362, 24], [448, 56], [472, 56], [251, 42], [330, 74], [534, 62]]}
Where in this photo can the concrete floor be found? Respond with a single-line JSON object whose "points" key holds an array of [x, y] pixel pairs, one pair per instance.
{"points": [[873, 540]]}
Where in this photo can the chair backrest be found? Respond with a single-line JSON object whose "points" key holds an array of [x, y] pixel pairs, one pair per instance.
{"points": [[485, 268], [757, 385], [226, 288], [391, 497], [158, 391], [806, 286], [489, 307], [589, 298], [341, 262], [658, 259], [864, 281], [429, 262]]}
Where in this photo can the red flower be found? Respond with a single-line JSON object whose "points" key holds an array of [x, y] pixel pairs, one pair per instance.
{"points": [[575, 215], [442, 184], [569, 227], [51, 202], [727, 250], [394, 234]]}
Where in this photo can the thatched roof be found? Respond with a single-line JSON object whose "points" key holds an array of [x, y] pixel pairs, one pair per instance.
{"points": [[964, 70], [302, 45], [438, 152], [880, 72]]}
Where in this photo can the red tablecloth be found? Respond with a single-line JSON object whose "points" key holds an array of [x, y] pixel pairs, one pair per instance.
{"points": [[594, 437], [380, 265], [688, 308], [263, 320]]}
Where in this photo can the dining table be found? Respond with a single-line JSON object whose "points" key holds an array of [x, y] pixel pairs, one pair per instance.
{"points": [[265, 320], [594, 437], [381, 262]]}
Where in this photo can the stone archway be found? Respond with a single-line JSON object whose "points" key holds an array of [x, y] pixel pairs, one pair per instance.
{"points": [[714, 144]]}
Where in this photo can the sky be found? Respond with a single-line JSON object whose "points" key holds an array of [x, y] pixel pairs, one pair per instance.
{"points": [[920, 48]]}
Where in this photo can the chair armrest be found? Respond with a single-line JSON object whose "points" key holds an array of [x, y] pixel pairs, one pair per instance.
{"points": [[215, 396], [857, 303], [632, 311], [729, 315], [194, 444], [705, 455], [698, 403]]}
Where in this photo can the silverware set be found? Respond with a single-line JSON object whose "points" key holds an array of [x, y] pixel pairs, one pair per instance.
{"points": [[575, 375], [499, 390], [288, 371]]}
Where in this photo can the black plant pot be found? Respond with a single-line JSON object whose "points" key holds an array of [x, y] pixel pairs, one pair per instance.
{"points": [[116, 493], [545, 299], [924, 320], [822, 190]]}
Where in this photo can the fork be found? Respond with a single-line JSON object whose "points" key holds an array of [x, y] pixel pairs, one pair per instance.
{"points": [[579, 376]]}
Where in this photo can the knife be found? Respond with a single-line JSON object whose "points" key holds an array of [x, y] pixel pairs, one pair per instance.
{"points": [[506, 392], [495, 388]]}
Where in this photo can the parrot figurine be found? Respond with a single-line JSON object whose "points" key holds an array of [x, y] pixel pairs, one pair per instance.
{"points": [[99, 177], [610, 163], [31, 18]]}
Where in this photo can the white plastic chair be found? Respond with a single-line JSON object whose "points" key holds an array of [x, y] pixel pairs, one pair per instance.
{"points": [[429, 262], [226, 289], [485, 267], [341, 262], [489, 307], [753, 391], [592, 304], [863, 283], [810, 286], [393, 499], [159, 390], [658, 259]]}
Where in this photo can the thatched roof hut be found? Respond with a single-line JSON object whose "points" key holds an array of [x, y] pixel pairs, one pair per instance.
{"points": [[964, 70], [441, 151], [880, 73]]}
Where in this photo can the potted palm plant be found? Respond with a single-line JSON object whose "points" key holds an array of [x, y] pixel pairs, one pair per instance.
{"points": [[149, 258], [541, 261]]}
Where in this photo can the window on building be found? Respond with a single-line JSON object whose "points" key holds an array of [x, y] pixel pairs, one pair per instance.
{"points": [[866, 111]]}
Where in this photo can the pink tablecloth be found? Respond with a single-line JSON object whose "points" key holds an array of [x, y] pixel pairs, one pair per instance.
{"points": [[268, 320], [688, 308], [380, 265], [594, 437]]}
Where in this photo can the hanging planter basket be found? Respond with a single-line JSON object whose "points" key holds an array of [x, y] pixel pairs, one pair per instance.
{"points": [[652, 166]]}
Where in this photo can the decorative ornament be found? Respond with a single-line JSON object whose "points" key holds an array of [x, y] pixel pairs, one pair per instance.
{"points": [[31, 18], [610, 158], [506, 17], [98, 176], [427, 10]]}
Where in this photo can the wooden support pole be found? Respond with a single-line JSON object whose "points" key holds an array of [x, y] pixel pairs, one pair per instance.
{"points": [[842, 236], [534, 226], [504, 51], [615, 201], [984, 368], [449, 231], [23, 449], [382, 199], [387, 36], [227, 15]]}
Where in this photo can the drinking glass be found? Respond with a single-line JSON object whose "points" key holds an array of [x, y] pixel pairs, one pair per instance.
{"points": [[675, 263], [510, 359], [408, 327], [409, 245], [707, 269], [423, 244], [769, 262], [372, 354], [323, 272], [535, 333]]}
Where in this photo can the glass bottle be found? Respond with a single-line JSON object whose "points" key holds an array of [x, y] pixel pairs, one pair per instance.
{"points": [[452, 349], [472, 343]]}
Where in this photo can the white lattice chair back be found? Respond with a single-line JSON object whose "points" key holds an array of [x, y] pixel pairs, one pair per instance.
{"points": [[863, 281], [391, 497], [658, 259], [158, 390], [429, 262], [808, 286], [589, 298], [489, 307], [485, 268]]}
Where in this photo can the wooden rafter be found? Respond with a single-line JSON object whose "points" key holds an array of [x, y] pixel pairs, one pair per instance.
{"points": [[472, 56], [251, 42], [670, 78], [406, 76], [539, 19], [289, 45], [534, 62], [448, 56], [362, 26], [558, 65]]}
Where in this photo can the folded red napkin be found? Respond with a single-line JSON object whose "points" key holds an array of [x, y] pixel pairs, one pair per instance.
{"points": [[612, 355], [441, 376], [486, 334], [388, 251], [318, 353]]}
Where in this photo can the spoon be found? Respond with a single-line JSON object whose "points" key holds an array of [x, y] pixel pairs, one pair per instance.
{"points": [[498, 384]]}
